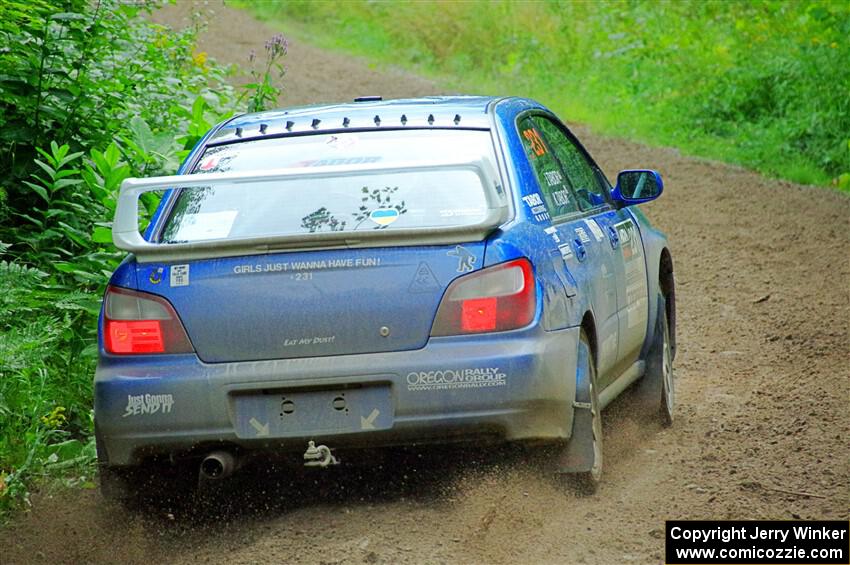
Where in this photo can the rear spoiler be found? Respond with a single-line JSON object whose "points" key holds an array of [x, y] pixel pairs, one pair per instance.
{"points": [[126, 235]]}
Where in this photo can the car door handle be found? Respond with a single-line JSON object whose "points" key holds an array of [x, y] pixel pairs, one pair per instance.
{"points": [[613, 237], [581, 252]]}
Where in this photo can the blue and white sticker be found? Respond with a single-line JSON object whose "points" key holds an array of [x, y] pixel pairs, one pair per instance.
{"points": [[384, 216]]}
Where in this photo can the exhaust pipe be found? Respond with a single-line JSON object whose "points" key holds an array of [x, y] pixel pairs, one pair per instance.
{"points": [[218, 465]]}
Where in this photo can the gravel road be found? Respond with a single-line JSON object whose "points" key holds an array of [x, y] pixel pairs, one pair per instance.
{"points": [[762, 429]]}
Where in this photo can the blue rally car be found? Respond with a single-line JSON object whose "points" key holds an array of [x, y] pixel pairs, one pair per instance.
{"points": [[380, 273]]}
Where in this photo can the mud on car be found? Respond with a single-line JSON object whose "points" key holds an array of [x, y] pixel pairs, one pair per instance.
{"points": [[379, 273]]}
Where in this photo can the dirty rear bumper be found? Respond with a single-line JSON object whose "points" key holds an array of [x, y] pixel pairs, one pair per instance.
{"points": [[517, 386]]}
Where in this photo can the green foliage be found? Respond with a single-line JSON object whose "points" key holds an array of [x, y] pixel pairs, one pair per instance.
{"points": [[47, 355], [90, 94], [110, 94], [762, 83]]}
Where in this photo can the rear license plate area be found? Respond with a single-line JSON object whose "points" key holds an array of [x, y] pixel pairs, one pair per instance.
{"points": [[294, 413]]}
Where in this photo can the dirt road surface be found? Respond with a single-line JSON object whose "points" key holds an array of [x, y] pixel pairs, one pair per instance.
{"points": [[762, 430]]}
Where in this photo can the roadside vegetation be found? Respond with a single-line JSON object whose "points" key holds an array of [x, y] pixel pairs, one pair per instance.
{"points": [[90, 94], [762, 83]]}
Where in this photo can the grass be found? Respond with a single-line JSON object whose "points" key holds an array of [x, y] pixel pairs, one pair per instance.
{"points": [[761, 84]]}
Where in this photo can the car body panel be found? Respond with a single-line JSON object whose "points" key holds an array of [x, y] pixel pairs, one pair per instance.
{"points": [[242, 312], [518, 386], [308, 304]]}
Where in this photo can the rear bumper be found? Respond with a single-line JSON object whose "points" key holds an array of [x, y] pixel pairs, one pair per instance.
{"points": [[519, 385]]}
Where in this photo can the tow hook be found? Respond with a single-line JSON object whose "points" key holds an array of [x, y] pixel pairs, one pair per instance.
{"points": [[320, 456]]}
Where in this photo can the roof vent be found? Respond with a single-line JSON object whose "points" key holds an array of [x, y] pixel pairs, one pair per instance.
{"points": [[377, 120], [316, 122], [345, 122], [430, 119], [368, 99], [403, 120], [289, 124], [457, 119]]}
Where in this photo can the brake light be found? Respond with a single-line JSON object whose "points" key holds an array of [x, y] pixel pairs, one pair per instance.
{"points": [[138, 323], [495, 299]]}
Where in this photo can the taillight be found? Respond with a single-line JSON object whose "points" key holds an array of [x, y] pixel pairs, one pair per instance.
{"points": [[140, 323], [495, 299]]}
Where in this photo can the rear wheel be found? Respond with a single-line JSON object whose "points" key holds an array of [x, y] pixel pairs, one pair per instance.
{"points": [[657, 391], [581, 459]]}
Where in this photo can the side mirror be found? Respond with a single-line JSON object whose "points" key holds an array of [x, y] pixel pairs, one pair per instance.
{"points": [[637, 186]]}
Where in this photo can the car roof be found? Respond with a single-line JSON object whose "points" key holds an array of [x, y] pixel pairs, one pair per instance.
{"points": [[368, 113]]}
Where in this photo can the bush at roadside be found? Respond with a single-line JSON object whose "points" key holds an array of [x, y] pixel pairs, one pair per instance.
{"points": [[90, 93]]}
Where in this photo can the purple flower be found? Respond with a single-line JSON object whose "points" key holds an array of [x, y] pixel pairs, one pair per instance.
{"points": [[277, 45]]}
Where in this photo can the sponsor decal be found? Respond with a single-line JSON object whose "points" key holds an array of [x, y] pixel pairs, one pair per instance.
{"points": [[148, 404], [208, 164], [535, 142], [315, 340], [566, 251], [532, 200], [561, 197], [292, 266], [582, 235], [629, 240], [384, 216], [465, 259], [424, 279], [215, 164], [337, 161], [451, 379], [461, 212], [636, 287], [344, 142], [179, 275], [553, 178], [595, 229], [536, 207], [155, 276]]}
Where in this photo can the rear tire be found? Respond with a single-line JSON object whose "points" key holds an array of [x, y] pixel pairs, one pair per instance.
{"points": [[657, 391]]}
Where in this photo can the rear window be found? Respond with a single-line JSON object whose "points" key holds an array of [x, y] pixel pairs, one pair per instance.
{"points": [[354, 202]]}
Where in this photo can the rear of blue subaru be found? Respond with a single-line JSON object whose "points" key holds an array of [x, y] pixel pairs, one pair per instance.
{"points": [[348, 285]]}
